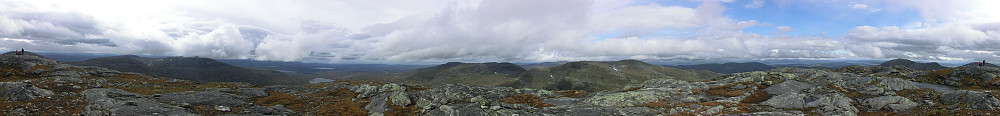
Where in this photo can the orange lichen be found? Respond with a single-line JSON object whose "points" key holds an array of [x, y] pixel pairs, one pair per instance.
{"points": [[573, 93], [525, 99]]}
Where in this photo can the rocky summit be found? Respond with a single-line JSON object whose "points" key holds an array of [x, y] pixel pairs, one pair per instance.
{"points": [[34, 85]]}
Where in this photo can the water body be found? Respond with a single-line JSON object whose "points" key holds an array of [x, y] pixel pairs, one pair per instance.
{"points": [[936, 87], [319, 80]]}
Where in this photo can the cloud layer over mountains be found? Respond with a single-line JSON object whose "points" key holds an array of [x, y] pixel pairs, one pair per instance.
{"points": [[487, 30]]}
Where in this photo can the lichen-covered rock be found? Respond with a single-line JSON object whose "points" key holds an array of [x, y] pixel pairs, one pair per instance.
{"points": [[271, 110], [895, 84], [787, 100], [399, 98], [757, 76], [602, 111], [970, 99], [365, 90], [18, 91], [625, 98], [891, 103], [831, 104], [251, 92], [289, 89], [469, 109], [788, 86], [652, 91], [378, 104], [104, 102], [211, 98]]}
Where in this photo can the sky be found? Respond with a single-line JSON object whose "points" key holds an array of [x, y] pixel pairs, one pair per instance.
{"points": [[413, 31]]}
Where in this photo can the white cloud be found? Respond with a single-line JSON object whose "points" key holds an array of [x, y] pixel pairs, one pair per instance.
{"points": [[458, 30], [858, 6], [352, 31], [755, 4], [951, 40], [947, 33]]}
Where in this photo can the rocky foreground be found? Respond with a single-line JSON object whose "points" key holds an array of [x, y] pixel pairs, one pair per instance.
{"points": [[33, 85]]}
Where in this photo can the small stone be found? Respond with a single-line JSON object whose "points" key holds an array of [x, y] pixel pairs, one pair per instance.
{"points": [[737, 87], [222, 108]]}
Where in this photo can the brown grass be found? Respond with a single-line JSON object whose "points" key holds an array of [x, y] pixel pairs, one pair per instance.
{"points": [[147, 85], [573, 93], [230, 85], [57, 105], [275, 98], [724, 90], [41, 67], [15, 73], [525, 99], [758, 96], [336, 102]]}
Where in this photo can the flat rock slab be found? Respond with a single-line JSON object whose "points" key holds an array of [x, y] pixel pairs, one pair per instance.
{"points": [[106, 102], [788, 86]]}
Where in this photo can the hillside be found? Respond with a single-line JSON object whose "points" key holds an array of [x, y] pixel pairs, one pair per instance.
{"points": [[530, 66], [913, 65], [191, 68], [729, 67], [485, 74], [597, 76]]}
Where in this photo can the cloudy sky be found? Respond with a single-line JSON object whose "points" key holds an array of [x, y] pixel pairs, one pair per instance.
{"points": [[380, 31]]}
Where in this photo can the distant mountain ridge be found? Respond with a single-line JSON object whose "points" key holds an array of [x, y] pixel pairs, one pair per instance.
{"points": [[730, 67], [598, 76], [581, 75], [486, 74], [913, 65], [190, 68]]}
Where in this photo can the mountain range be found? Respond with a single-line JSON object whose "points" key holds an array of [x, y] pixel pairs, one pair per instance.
{"points": [[600, 76], [191, 68], [913, 65], [730, 67]]}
